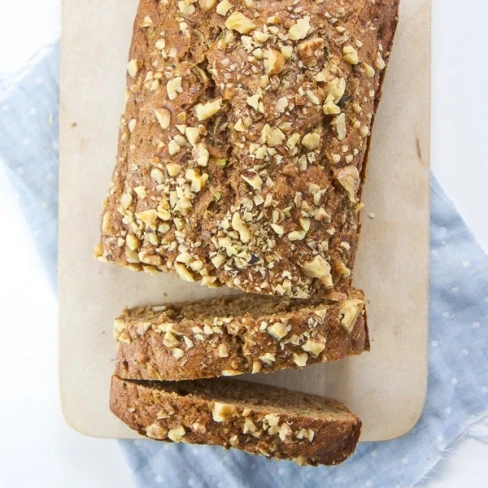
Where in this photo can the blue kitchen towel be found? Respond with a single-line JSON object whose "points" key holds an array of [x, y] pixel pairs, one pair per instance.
{"points": [[457, 402]]}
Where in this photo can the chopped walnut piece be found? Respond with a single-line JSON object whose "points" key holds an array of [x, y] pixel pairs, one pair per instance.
{"points": [[206, 110], [173, 87], [313, 347], [300, 359], [350, 55], [311, 141], [318, 268], [252, 179], [163, 116], [223, 7], [207, 4], [349, 313], [133, 68], [240, 23], [273, 61], [369, 70], [310, 51], [156, 431], [240, 227], [349, 178], [380, 62], [177, 434], [300, 29]]}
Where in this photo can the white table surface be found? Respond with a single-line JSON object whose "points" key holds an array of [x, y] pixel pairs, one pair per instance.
{"points": [[32, 427]]}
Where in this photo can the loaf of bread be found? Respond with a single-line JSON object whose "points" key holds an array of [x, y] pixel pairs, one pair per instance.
{"points": [[258, 419], [243, 145], [236, 335]]}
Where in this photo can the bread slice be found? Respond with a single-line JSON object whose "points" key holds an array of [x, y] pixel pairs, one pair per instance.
{"points": [[236, 335], [243, 144], [258, 419]]}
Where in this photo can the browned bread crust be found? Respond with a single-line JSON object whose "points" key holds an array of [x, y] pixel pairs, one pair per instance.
{"points": [[242, 147], [236, 335], [258, 419]]}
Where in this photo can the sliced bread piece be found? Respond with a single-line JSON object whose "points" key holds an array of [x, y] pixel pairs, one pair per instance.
{"points": [[236, 335], [258, 419]]}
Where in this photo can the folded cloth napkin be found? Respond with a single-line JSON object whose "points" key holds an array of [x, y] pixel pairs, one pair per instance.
{"points": [[457, 399]]}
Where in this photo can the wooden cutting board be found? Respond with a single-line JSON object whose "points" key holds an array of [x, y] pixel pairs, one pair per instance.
{"points": [[387, 387]]}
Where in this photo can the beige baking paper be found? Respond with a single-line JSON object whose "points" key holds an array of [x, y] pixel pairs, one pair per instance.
{"points": [[386, 387]]}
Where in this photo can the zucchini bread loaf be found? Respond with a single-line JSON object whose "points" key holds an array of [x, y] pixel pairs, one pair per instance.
{"points": [[236, 335], [259, 419], [243, 145]]}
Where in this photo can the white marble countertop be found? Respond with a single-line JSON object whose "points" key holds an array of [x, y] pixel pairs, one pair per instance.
{"points": [[33, 430]]}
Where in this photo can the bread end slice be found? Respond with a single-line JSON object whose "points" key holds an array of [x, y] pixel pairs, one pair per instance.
{"points": [[258, 419]]}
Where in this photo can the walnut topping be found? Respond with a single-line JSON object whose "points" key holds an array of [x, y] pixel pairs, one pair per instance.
{"points": [[369, 70], [273, 61], [300, 359], [364, 131], [318, 268], [256, 366], [330, 108], [132, 242], [240, 23], [192, 134], [278, 330], [201, 155], [197, 180], [239, 226], [268, 358], [222, 351], [169, 340], [380, 62], [222, 412], [252, 179], [157, 175], [204, 111], [133, 67], [231, 372], [174, 87], [349, 313], [300, 29], [132, 125], [336, 89], [177, 353], [184, 273], [350, 55], [272, 420], [310, 51], [156, 431], [164, 117], [254, 102], [285, 432], [149, 217], [313, 347], [223, 7], [249, 427], [186, 8], [177, 434], [311, 141], [173, 169], [306, 434], [349, 178], [207, 4], [272, 136], [339, 123]]}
